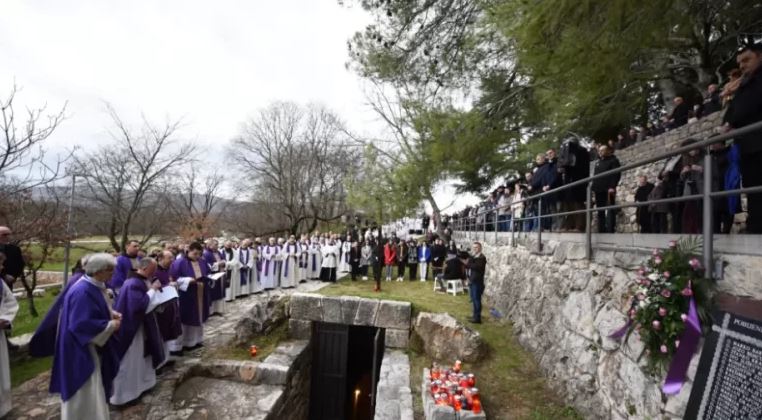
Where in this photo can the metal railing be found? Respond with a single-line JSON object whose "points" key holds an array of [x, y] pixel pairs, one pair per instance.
{"points": [[480, 220]]}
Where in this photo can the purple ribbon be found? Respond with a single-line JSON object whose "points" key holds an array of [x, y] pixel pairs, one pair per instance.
{"points": [[688, 342], [618, 334], [314, 262]]}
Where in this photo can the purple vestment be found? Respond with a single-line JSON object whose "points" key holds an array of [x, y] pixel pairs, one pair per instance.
{"points": [[244, 255], [124, 267], [217, 290], [194, 302], [43, 342], [84, 315], [132, 303], [168, 315]]}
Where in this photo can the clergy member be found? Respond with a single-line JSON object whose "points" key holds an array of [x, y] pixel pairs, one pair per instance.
{"points": [[316, 259], [86, 360], [217, 287], [43, 342], [168, 316], [330, 260], [246, 262], [125, 264], [269, 255], [344, 264], [139, 343], [255, 285], [8, 309], [233, 270], [289, 276], [190, 272], [304, 258]]}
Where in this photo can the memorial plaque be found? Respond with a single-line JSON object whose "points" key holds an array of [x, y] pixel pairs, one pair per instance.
{"points": [[728, 383]]}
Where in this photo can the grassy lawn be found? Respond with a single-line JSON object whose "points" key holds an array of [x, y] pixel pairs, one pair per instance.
{"points": [[509, 380], [55, 261]]}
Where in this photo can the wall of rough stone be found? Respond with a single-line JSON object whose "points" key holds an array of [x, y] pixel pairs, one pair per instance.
{"points": [[649, 148], [394, 399], [563, 308]]}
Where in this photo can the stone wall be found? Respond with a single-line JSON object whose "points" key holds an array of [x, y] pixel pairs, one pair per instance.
{"points": [[652, 147], [393, 316], [394, 399], [563, 308]]}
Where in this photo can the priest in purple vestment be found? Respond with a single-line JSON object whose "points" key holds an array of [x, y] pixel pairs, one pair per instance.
{"points": [[86, 359], [125, 264], [139, 344], [43, 342], [191, 274], [217, 287], [168, 315]]}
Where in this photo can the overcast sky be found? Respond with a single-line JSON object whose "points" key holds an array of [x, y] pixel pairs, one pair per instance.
{"points": [[211, 63]]}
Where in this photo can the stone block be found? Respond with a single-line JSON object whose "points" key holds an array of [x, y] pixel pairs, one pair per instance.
{"points": [[306, 306], [271, 374], [366, 312], [440, 412], [393, 314], [349, 305], [397, 339], [332, 310], [470, 415], [299, 329]]}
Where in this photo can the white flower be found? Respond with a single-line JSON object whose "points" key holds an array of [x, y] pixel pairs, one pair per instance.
{"points": [[643, 304], [653, 276]]}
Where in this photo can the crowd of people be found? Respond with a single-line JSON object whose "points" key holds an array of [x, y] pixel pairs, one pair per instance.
{"points": [[121, 319], [734, 164]]}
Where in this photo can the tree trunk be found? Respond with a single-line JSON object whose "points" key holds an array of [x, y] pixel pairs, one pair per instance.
{"points": [[436, 214], [30, 292]]}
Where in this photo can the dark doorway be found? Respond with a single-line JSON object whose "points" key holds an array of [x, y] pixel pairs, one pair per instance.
{"points": [[346, 361]]}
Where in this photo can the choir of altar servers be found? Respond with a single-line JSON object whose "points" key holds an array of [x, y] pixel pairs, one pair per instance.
{"points": [[120, 320]]}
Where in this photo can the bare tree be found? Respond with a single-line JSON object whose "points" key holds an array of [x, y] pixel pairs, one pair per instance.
{"points": [[23, 163], [298, 157], [197, 202], [129, 177], [39, 224]]}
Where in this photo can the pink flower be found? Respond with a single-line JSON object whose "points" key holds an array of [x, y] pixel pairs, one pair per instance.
{"points": [[672, 244], [662, 312], [666, 274], [677, 343], [641, 271], [687, 292], [657, 260], [684, 317], [645, 282], [666, 293], [694, 263], [656, 324], [632, 313], [655, 252], [641, 296], [663, 348]]}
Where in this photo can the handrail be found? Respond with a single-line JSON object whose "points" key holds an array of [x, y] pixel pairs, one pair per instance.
{"points": [[707, 196]]}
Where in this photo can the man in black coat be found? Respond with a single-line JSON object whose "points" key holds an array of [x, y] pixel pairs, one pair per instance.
{"points": [[438, 254], [745, 109], [544, 179], [604, 188], [641, 194], [14, 260], [573, 165], [679, 116], [476, 265]]}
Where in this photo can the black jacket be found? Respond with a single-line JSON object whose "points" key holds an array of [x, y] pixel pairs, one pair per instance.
{"points": [[476, 267], [602, 165], [438, 254], [14, 261], [453, 269], [745, 109]]}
